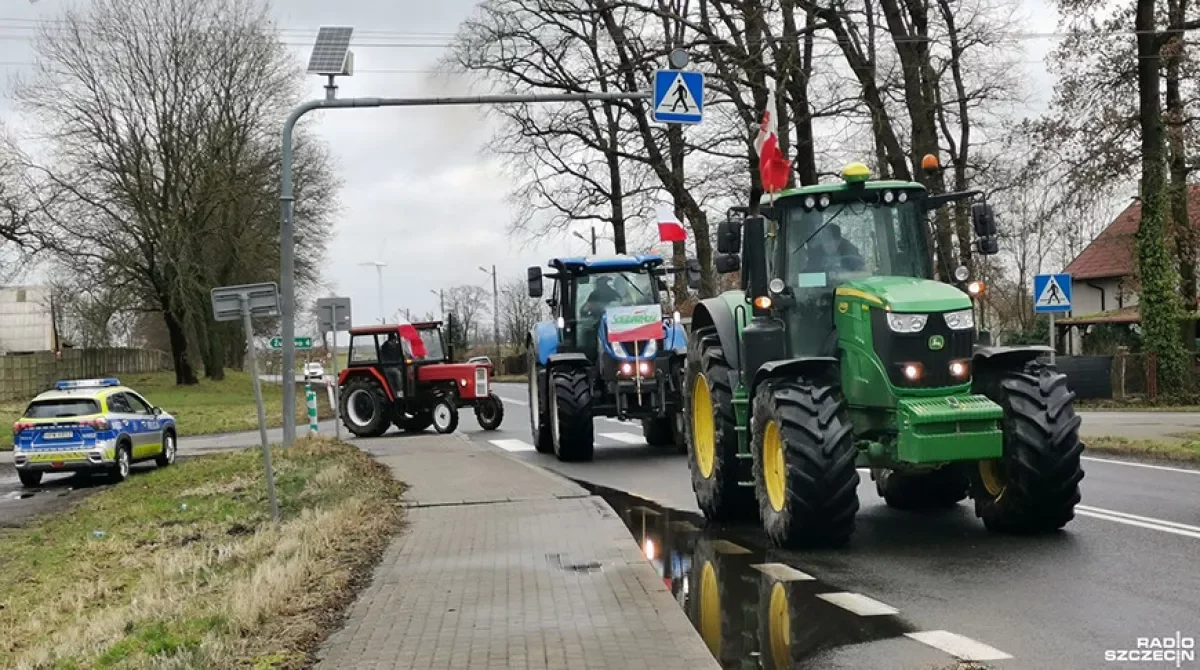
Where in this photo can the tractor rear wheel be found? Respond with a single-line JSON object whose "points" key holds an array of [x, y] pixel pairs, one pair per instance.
{"points": [[804, 464], [539, 421], [712, 441], [1034, 487], [489, 412], [366, 410], [940, 489], [571, 414]]}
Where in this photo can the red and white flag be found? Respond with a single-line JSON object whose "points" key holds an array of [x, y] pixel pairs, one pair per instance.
{"points": [[412, 338], [670, 228], [772, 166]]}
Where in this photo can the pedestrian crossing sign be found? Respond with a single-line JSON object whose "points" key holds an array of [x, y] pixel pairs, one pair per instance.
{"points": [[1052, 293], [678, 97]]}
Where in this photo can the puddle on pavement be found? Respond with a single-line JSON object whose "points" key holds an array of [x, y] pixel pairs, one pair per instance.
{"points": [[769, 616]]}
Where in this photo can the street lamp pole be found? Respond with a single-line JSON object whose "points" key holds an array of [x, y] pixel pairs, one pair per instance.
{"points": [[441, 302], [495, 309], [379, 265], [580, 236]]}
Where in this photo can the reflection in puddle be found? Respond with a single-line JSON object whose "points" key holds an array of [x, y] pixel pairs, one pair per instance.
{"points": [[752, 609]]}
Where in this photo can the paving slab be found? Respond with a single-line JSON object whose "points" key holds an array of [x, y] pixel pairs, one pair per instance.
{"points": [[526, 571]]}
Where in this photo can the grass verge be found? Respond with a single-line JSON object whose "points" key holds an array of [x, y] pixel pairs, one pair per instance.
{"points": [[181, 567], [510, 379], [208, 408], [1184, 450]]}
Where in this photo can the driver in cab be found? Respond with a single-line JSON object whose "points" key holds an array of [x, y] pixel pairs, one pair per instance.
{"points": [[601, 297], [830, 252]]}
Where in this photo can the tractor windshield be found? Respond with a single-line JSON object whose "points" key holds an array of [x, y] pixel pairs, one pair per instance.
{"points": [[596, 292], [432, 337], [854, 239]]}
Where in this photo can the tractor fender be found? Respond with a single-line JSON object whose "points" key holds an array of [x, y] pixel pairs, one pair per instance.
{"points": [[809, 367], [987, 356], [718, 312], [572, 359], [544, 337], [676, 339]]}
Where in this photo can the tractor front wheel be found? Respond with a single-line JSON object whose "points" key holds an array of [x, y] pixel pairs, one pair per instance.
{"points": [[571, 414], [445, 415], [1034, 487], [712, 440], [489, 412], [804, 464], [940, 489], [366, 410]]}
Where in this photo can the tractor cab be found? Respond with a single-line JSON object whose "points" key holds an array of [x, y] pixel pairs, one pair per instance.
{"points": [[400, 374]]}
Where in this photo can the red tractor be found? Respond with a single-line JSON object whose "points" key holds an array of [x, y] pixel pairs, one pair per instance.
{"points": [[400, 375]]}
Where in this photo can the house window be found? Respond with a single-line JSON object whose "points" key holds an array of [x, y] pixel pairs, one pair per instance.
{"points": [[20, 295]]}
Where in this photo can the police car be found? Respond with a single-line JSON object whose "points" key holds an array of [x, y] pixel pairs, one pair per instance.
{"points": [[90, 425]]}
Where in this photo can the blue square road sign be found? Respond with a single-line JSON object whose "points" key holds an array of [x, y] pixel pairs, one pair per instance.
{"points": [[678, 96], [1052, 293]]}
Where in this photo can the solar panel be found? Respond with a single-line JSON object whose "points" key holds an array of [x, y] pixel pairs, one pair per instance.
{"points": [[329, 51]]}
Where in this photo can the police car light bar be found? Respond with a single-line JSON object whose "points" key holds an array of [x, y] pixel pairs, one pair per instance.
{"points": [[86, 383]]}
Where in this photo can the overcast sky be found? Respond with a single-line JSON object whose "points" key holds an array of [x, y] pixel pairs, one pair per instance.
{"points": [[418, 194]]}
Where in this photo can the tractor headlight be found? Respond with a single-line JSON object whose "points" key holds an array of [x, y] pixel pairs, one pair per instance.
{"points": [[963, 319], [906, 323], [888, 197], [902, 198], [619, 350], [810, 202], [824, 201], [650, 349]]}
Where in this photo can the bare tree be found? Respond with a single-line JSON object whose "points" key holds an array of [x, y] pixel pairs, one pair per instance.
{"points": [[163, 117], [519, 312], [468, 304]]}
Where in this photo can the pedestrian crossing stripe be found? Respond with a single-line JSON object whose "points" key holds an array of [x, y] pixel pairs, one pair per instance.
{"points": [[624, 437], [1052, 295]]}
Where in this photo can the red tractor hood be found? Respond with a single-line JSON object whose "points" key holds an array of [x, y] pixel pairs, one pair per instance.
{"points": [[462, 374]]}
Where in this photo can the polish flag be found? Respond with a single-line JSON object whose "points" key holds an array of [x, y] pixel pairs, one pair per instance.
{"points": [[413, 338], [772, 166], [670, 228]]}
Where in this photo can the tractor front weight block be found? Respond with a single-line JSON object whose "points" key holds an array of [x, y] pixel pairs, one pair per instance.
{"points": [[951, 428]]}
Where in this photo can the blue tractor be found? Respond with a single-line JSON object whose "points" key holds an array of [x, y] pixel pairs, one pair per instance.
{"points": [[608, 351]]}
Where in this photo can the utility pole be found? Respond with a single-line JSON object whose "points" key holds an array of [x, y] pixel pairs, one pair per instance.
{"points": [[379, 265], [495, 310]]}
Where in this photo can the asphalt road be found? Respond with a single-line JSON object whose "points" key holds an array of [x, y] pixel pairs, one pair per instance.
{"points": [[1123, 569]]}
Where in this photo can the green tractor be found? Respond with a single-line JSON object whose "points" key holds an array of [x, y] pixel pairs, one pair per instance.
{"points": [[841, 351]]}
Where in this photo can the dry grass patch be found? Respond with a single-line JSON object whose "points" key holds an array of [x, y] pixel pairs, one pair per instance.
{"points": [[181, 567], [1184, 448]]}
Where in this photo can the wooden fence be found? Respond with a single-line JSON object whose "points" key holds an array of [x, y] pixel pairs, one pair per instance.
{"points": [[23, 376]]}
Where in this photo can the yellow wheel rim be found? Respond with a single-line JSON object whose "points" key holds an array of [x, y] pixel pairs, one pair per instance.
{"points": [[780, 622], [774, 469], [710, 610], [991, 477], [704, 434]]}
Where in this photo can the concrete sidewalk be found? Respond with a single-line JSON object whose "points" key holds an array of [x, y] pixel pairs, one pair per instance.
{"points": [[504, 565]]}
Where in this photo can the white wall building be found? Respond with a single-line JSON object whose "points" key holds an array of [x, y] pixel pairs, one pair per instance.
{"points": [[26, 319]]}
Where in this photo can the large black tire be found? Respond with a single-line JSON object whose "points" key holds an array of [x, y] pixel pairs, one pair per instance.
{"points": [[489, 413], [1035, 486], [804, 463], [661, 432], [415, 423], [539, 419], [30, 478], [709, 418], [571, 414], [370, 415], [940, 489]]}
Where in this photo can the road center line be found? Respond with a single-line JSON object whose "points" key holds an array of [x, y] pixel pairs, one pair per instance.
{"points": [[514, 401], [1140, 521], [627, 438], [513, 445], [1140, 465], [858, 604], [957, 645]]}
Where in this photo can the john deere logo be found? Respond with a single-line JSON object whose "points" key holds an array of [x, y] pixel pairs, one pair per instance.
{"points": [[842, 307], [936, 343]]}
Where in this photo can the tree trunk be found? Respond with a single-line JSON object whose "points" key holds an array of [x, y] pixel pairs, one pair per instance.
{"points": [[184, 373], [1184, 232], [616, 188], [1159, 304]]}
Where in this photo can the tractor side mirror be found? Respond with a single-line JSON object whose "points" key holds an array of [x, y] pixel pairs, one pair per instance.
{"points": [[534, 276], [729, 237], [755, 257], [693, 273], [988, 246], [983, 219], [662, 284], [727, 263]]}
